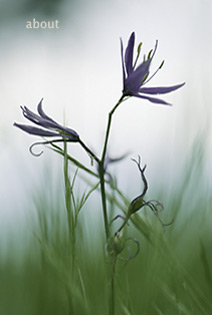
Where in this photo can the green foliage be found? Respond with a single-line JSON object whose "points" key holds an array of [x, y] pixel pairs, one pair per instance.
{"points": [[172, 274]]}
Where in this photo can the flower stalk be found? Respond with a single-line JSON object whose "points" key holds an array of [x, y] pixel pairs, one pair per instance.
{"points": [[135, 78], [110, 115], [101, 164]]}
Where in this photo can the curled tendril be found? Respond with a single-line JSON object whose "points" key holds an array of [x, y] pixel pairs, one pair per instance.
{"points": [[130, 256], [33, 145], [157, 207], [117, 245], [43, 143]]}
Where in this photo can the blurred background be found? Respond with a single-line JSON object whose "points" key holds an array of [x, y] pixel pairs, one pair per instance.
{"points": [[77, 70]]}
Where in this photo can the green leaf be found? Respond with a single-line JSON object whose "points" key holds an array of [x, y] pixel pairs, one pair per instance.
{"points": [[74, 161]]}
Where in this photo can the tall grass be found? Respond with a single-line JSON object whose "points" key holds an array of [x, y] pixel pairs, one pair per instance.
{"points": [[172, 273]]}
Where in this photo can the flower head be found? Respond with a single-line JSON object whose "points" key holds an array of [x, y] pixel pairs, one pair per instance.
{"points": [[135, 77], [50, 128]]}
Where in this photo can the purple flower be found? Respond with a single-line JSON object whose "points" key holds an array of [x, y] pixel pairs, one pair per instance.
{"points": [[50, 128], [135, 77]]}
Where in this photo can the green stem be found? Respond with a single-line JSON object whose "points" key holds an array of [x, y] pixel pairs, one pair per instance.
{"points": [[124, 223], [71, 223], [112, 260], [102, 170], [71, 216], [110, 115], [112, 287], [103, 197], [88, 150]]}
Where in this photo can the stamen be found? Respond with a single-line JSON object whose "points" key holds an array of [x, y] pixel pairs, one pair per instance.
{"points": [[139, 47], [138, 54], [149, 54], [161, 65], [144, 78]]}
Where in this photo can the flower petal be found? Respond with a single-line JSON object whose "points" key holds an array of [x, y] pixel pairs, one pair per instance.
{"points": [[46, 122], [152, 99], [122, 62], [134, 81], [36, 131], [30, 115], [49, 122], [129, 53], [38, 119], [160, 90], [42, 114]]}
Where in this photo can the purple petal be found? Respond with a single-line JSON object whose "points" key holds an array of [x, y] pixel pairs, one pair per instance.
{"points": [[30, 115], [46, 122], [38, 119], [160, 90], [143, 69], [42, 120], [41, 112], [134, 80], [129, 54], [36, 131], [122, 62], [152, 99]]}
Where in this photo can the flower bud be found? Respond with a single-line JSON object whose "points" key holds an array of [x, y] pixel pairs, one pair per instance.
{"points": [[136, 205], [115, 245]]}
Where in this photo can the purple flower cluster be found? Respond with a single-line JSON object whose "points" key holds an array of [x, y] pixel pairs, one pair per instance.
{"points": [[135, 77]]}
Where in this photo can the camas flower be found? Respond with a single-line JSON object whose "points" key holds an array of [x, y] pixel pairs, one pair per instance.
{"points": [[135, 77], [50, 128]]}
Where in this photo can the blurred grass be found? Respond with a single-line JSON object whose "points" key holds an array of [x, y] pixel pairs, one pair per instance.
{"points": [[171, 275]]}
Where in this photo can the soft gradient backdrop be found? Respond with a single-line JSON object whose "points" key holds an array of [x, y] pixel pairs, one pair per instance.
{"points": [[77, 69]]}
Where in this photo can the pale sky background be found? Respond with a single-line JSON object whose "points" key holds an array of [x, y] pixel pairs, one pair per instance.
{"points": [[77, 69]]}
